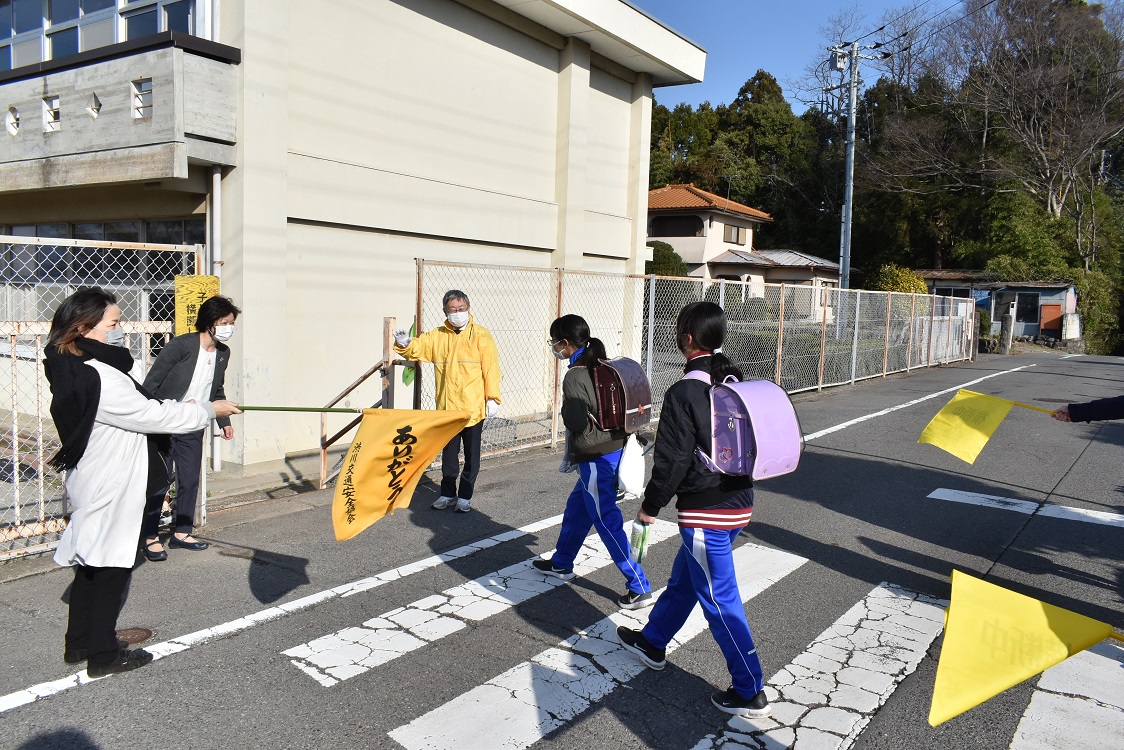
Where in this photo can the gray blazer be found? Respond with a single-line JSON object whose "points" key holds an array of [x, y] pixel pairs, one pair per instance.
{"points": [[171, 372]]}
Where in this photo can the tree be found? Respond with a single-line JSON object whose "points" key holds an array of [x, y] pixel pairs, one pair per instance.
{"points": [[665, 261], [893, 278]]}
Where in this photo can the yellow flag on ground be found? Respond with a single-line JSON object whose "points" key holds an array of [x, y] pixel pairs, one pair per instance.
{"points": [[994, 639], [966, 423], [386, 460]]}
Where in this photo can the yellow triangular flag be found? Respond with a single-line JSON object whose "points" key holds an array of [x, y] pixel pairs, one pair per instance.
{"points": [[994, 639], [966, 423], [391, 450]]}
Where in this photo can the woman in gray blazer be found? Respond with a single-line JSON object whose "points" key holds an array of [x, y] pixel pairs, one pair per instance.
{"points": [[190, 367]]}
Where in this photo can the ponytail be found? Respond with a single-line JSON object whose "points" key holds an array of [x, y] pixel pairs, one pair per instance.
{"points": [[721, 368], [593, 354]]}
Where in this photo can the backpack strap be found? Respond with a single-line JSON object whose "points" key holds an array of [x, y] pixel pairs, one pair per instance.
{"points": [[698, 375]]}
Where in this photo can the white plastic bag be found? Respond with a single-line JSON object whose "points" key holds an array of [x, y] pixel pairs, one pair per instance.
{"points": [[630, 471]]}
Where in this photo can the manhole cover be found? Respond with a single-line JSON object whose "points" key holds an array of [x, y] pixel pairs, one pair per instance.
{"points": [[133, 636]]}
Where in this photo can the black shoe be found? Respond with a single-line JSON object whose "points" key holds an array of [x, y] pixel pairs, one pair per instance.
{"points": [[731, 702], [175, 541], [547, 566], [126, 662], [75, 655], [152, 555], [633, 600], [634, 641]]}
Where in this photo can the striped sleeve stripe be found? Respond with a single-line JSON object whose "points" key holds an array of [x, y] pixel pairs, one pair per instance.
{"points": [[717, 518]]}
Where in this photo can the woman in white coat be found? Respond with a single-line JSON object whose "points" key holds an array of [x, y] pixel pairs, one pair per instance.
{"points": [[103, 418]]}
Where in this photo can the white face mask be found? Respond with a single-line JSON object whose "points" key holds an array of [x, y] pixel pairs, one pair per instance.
{"points": [[223, 333], [561, 356], [458, 319], [114, 336]]}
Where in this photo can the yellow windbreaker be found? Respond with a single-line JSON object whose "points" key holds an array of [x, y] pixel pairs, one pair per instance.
{"points": [[466, 365]]}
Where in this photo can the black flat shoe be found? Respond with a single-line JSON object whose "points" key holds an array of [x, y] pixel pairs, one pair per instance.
{"points": [[75, 655], [152, 555], [126, 662], [175, 541]]}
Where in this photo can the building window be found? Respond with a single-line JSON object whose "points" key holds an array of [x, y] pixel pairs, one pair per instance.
{"points": [[52, 118], [735, 235], [12, 121], [142, 98], [1026, 307], [677, 226], [32, 31]]}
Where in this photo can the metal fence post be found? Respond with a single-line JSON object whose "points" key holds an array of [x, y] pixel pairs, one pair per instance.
{"points": [[948, 335], [651, 323], [417, 330], [780, 338], [855, 337], [929, 348], [909, 346], [554, 405], [823, 336], [886, 349]]}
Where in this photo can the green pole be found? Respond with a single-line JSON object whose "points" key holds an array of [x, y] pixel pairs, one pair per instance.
{"points": [[300, 408]]}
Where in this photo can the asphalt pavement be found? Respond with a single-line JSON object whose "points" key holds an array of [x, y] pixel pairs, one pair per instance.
{"points": [[425, 658]]}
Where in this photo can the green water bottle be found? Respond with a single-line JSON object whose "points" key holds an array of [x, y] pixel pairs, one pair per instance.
{"points": [[638, 543]]}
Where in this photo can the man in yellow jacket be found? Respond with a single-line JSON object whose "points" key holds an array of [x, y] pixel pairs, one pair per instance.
{"points": [[467, 369]]}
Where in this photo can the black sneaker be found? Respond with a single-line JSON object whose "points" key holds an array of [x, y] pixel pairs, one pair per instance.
{"points": [[634, 641], [731, 702], [126, 662], [547, 566], [75, 655], [633, 600]]}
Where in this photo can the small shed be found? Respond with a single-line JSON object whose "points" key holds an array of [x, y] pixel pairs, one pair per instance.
{"points": [[1046, 308]]}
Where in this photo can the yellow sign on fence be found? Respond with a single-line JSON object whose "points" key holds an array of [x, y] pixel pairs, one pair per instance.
{"points": [[191, 292]]}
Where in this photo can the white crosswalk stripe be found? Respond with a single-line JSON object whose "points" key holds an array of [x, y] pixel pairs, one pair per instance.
{"points": [[352, 651], [1078, 704], [1048, 510], [830, 692], [534, 698]]}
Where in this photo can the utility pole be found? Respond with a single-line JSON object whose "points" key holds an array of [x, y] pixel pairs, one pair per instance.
{"points": [[846, 57]]}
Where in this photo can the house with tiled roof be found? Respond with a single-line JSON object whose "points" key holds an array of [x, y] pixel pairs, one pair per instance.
{"points": [[714, 236]]}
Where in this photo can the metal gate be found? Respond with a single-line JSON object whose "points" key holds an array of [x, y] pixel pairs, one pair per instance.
{"points": [[35, 276]]}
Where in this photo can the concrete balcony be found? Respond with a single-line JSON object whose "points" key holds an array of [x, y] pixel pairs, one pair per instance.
{"points": [[138, 111]]}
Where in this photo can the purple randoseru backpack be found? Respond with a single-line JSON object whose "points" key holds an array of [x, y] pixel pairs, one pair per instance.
{"points": [[754, 429]]}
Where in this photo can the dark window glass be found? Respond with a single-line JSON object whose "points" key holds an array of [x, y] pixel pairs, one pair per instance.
{"points": [[161, 307], [28, 15], [1026, 308], [141, 24], [62, 10], [164, 232], [54, 231], [86, 266], [64, 43], [194, 232], [164, 266], [677, 226], [5, 19], [53, 263], [92, 6], [122, 231], [88, 232], [5, 58], [178, 16]]}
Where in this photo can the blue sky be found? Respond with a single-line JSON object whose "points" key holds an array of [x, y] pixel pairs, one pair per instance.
{"points": [[740, 36]]}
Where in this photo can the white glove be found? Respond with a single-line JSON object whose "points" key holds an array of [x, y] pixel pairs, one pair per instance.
{"points": [[402, 338], [492, 407]]}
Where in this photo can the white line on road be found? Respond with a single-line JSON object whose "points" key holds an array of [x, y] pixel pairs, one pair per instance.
{"points": [[352, 651], [1048, 510], [914, 402], [534, 698], [1078, 704], [199, 637], [830, 692]]}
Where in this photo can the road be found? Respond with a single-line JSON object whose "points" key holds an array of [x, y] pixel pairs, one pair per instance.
{"points": [[429, 630]]}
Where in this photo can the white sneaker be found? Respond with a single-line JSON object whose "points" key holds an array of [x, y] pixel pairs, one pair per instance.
{"points": [[443, 502], [463, 506]]}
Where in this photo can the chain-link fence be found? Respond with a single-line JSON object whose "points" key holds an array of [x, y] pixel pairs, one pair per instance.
{"points": [[35, 276], [800, 336]]}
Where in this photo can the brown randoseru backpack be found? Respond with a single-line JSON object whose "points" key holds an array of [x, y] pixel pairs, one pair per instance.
{"points": [[624, 396]]}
